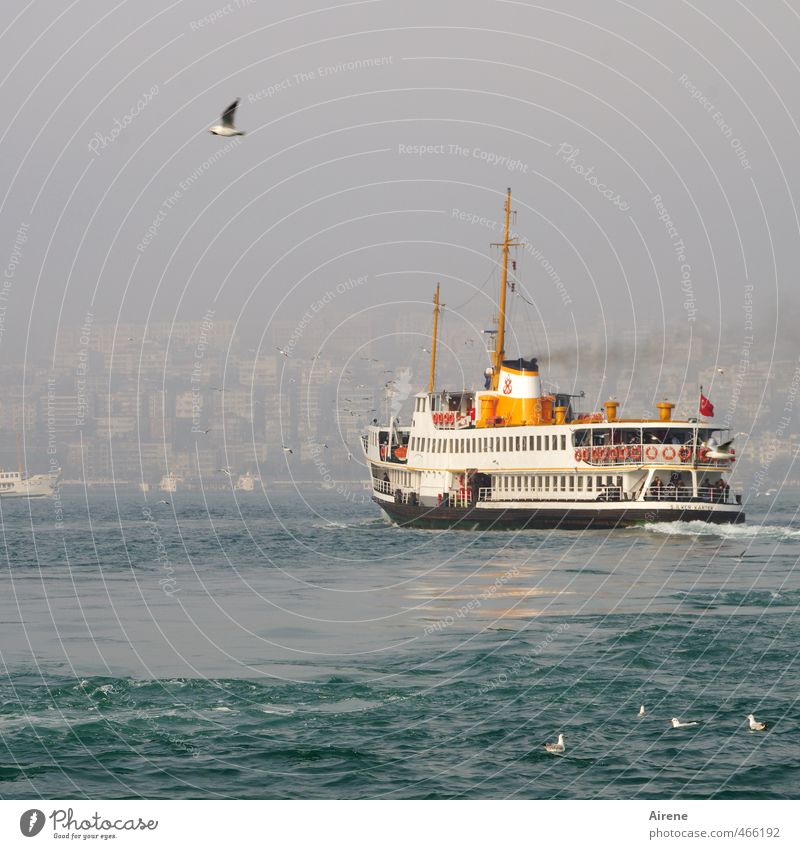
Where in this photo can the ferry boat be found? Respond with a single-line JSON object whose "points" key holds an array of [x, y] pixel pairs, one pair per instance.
{"points": [[17, 485], [513, 456]]}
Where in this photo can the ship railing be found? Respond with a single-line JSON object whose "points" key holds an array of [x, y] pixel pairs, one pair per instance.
{"points": [[382, 486], [709, 494], [645, 454]]}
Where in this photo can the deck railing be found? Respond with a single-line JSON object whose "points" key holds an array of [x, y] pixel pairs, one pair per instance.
{"points": [[709, 494]]}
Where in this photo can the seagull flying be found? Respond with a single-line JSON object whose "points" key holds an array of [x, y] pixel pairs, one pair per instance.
{"points": [[225, 472], [555, 748], [287, 450], [676, 723], [163, 501], [641, 711], [718, 451], [755, 725], [226, 128], [282, 351]]}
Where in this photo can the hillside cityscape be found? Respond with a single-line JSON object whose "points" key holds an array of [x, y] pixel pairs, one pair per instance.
{"points": [[130, 403]]}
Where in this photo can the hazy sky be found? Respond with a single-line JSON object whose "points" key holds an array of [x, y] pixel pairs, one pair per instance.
{"points": [[117, 202]]}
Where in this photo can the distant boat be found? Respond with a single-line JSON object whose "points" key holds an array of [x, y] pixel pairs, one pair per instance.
{"points": [[246, 482], [169, 483], [20, 485], [15, 485]]}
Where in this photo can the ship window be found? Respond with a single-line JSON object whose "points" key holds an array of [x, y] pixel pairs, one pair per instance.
{"points": [[516, 443], [571, 484], [609, 480], [563, 484], [589, 484], [619, 482], [519, 482], [580, 483], [546, 443], [524, 443], [547, 482], [538, 443], [563, 442], [599, 481]]}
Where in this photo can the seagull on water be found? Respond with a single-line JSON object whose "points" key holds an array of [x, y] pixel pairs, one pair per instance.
{"points": [[226, 127], [163, 501], [641, 711], [555, 748], [676, 723], [755, 725]]}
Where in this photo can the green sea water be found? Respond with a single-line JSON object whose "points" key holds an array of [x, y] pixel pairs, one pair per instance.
{"points": [[292, 644]]}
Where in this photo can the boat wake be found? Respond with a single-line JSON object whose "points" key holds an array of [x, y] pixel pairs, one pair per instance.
{"points": [[707, 529]]}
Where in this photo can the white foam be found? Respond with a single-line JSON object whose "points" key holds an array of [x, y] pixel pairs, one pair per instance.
{"points": [[745, 531]]}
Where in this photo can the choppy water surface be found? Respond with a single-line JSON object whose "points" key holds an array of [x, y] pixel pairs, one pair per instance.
{"points": [[298, 646]]}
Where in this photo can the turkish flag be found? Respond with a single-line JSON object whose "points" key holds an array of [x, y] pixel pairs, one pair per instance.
{"points": [[706, 407]]}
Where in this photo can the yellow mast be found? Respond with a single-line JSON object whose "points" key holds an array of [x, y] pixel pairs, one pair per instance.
{"points": [[499, 353], [435, 336]]}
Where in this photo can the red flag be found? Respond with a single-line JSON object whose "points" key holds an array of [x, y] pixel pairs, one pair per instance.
{"points": [[706, 407]]}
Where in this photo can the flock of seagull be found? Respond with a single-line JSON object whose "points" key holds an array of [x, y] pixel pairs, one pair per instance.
{"points": [[558, 748]]}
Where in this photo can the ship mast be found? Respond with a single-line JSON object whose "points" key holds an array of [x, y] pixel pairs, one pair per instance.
{"points": [[19, 457], [499, 353], [432, 378]]}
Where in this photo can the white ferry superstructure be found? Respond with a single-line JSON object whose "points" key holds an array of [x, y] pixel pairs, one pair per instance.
{"points": [[512, 456]]}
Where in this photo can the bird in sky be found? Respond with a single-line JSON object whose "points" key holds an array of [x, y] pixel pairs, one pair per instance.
{"points": [[287, 450], [720, 371], [226, 126], [208, 430], [556, 748], [225, 471], [163, 501], [718, 451], [755, 725], [282, 351]]}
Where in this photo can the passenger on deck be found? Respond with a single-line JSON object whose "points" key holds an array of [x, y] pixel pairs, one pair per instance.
{"points": [[656, 487]]}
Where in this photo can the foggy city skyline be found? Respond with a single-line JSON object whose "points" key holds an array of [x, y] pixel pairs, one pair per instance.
{"points": [[649, 249]]}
